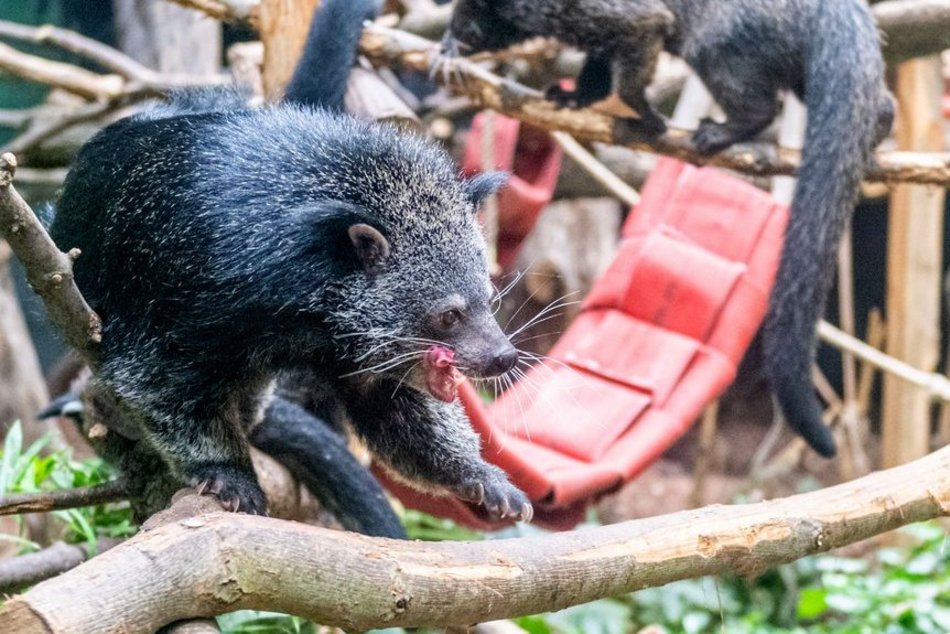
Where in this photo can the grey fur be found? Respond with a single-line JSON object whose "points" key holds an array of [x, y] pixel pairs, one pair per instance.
{"points": [[218, 248]]}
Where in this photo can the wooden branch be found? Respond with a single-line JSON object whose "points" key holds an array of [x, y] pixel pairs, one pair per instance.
{"points": [[87, 112], [26, 570], [66, 76], [913, 28], [42, 501], [79, 44], [207, 565], [385, 46], [48, 270], [225, 10]]}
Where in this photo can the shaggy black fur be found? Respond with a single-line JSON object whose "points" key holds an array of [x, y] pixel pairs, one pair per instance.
{"points": [[223, 244], [746, 52]]}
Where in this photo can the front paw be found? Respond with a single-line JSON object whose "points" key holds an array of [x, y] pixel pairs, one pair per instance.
{"points": [[497, 497], [564, 98], [236, 488], [711, 137]]}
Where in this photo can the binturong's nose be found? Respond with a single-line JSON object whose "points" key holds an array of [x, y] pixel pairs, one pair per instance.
{"points": [[503, 361]]}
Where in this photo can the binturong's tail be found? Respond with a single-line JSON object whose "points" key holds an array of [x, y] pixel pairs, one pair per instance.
{"points": [[320, 77], [849, 111]]}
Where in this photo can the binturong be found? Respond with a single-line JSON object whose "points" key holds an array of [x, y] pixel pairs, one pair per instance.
{"points": [[223, 245], [827, 52]]}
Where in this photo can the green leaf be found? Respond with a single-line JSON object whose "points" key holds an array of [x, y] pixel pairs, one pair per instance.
{"points": [[11, 450], [534, 624], [812, 603]]}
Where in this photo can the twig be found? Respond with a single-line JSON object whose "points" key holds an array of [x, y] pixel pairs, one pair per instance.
{"points": [[600, 172], [113, 491], [224, 10], [74, 42], [48, 270], [875, 333], [704, 453], [937, 385], [88, 112], [222, 562], [26, 570], [384, 46], [66, 76], [131, 81]]}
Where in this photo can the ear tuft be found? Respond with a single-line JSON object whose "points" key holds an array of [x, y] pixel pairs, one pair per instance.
{"points": [[484, 185], [372, 247]]}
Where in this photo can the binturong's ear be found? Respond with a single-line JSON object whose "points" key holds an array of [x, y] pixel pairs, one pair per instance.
{"points": [[484, 185], [372, 247]]}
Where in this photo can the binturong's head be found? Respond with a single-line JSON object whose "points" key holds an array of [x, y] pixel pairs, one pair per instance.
{"points": [[416, 306], [478, 25]]}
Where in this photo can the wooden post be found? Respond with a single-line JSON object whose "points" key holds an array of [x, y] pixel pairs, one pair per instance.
{"points": [[914, 269], [283, 26]]}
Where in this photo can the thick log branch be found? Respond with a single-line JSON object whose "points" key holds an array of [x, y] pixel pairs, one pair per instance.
{"points": [[385, 46], [113, 491], [207, 565], [48, 270]]}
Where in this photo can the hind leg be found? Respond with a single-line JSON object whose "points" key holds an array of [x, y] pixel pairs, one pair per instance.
{"points": [[635, 67], [199, 429], [750, 107]]}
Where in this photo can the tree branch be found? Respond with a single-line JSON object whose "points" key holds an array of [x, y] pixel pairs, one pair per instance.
{"points": [[224, 10], [42, 501], [207, 565], [913, 28], [26, 570], [48, 270], [385, 46], [76, 43], [66, 76]]}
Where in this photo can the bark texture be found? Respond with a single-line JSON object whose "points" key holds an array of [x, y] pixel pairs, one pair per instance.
{"points": [[215, 563]]}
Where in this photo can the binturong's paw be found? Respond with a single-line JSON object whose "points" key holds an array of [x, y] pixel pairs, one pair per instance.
{"points": [[496, 497], [712, 137], [236, 488]]}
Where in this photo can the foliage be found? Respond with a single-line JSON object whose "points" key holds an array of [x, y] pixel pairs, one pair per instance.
{"points": [[29, 470]]}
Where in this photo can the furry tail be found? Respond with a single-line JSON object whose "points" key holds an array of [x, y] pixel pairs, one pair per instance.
{"points": [[319, 458], [849, 110], [320, 77], [68, 404]]}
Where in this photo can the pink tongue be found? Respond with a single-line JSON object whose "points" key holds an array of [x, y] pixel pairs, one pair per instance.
{"points": [[442, 378]]}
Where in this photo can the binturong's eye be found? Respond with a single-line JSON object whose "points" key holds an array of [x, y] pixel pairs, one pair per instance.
{"points": [[450, 317]]}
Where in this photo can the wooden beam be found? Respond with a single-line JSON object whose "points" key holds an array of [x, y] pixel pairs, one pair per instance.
{"points": [[915, 267], [283, 26]]}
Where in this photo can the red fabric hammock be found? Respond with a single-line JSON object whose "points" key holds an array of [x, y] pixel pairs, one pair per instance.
{"points": [[659, 337]]}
